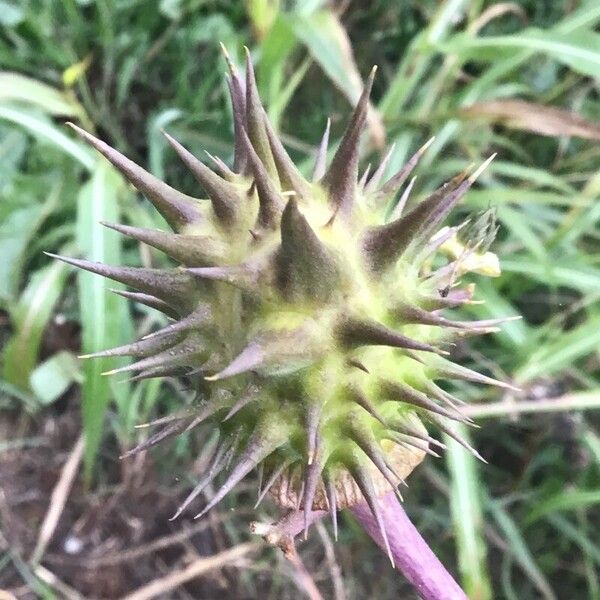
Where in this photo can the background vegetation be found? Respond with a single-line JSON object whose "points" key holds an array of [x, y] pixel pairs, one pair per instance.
{"points": [[517, 78]]}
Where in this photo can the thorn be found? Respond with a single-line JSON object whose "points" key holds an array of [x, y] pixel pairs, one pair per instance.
{"points": [[147, 300], [230, 63], [224, 196], [450, 370], [353, 362], [300, 496], [394, 183], [172, 284], [270, 203], [340, 179], [306, 269], [374, 181], [207, 410], [355, 332], [321, 158], [163, 434], [238, 106], [472, 178], [216, 466], [226, 172], [365, 485], [163, 420], [399, 208], [438, 422], [155, 373], [201, 316], [179, 210], [250, 358], [364, 402], [312, 429], [272, 479], [255, 125], [363, 180], [402, 392], [408, 441], [368, 443], [250, 394], [290, 177], [386, 243], [310, 487], [332, 501], [245, 276]]}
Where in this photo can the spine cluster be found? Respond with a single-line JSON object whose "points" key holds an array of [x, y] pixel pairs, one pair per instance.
{"points": [[310, 325]]}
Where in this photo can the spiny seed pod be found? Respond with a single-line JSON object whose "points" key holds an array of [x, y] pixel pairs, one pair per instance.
{"points": [[308, 324]]}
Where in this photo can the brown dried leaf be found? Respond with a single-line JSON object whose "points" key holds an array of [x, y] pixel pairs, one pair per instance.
{"points": [[404, 459], [529, 116]]}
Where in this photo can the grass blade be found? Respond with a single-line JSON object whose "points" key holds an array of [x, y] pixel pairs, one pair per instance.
{"points": [[465, 504], [572, 273], [103, 321], [575, 534], [15, 87], [567, 500], [520, 551], [30, 317], [579, 50], [562, 352], [42, 128]]}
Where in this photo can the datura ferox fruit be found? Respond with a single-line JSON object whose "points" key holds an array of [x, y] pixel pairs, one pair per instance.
{"points": [[308, 314]]}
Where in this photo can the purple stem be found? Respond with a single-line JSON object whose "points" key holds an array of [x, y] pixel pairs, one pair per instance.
{"points": [[411, 553]]}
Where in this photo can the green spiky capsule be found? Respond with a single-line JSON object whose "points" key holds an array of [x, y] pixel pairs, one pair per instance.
{"points": [[309, 325]]}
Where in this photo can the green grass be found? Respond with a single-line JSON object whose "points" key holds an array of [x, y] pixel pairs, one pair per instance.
{"points": [[128, 69]]}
